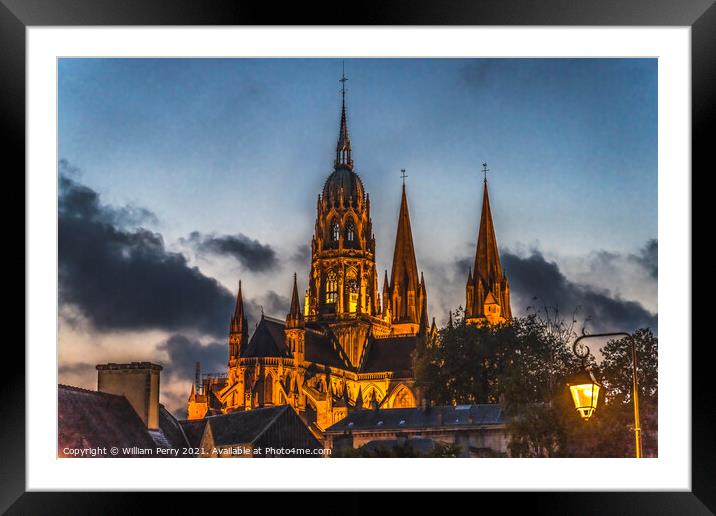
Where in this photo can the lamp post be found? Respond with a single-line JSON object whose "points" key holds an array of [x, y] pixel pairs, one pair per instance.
{"points": [[579, 391]]}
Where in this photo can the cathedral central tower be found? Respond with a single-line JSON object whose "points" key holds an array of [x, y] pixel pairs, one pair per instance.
{"points": [[343, 283]]}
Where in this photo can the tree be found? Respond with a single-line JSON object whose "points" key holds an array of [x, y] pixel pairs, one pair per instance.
{"points": [[524, 365]]}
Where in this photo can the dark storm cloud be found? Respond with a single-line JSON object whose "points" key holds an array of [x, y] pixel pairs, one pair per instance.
{"points": [[648, 257], [534, 277], [122, 277], [250, 253], [184, 352]]}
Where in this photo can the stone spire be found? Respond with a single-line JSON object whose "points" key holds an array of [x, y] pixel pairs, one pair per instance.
{"points": [[294, 319], [239, 329], [487, 257], [343, 147], [404, 282], [487, 292]]}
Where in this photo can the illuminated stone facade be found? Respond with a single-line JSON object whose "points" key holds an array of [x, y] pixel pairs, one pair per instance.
{"points": [[347, 344]]}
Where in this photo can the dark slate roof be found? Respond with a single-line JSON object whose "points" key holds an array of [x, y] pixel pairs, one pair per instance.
{"points": [[268, 340], [243, 427], [194, 430], [389, 354], [416, 418], [171, 429], [319, 349], [88, 419]]}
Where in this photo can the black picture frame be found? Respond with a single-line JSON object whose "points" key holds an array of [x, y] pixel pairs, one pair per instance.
{"points": [[17, 15]]}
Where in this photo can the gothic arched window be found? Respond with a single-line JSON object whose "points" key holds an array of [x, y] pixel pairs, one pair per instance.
{"points": [[335, 231], [331, 288], [350, 231]]}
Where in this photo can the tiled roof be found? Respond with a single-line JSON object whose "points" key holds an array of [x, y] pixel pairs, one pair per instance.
{"points": [[390, 354], [243, 427], [171, 430], [268, 340], [88, 419], [194, 430], [416, 418]]}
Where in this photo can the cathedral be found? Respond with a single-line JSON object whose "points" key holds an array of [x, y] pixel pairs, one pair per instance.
{"points": [[347, 345]]}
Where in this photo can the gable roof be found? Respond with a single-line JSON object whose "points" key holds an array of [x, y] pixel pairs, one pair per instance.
{"points": [[194, 430], [391, 354], [88, 419], [268, 340], [243, 427], [417, 418]]}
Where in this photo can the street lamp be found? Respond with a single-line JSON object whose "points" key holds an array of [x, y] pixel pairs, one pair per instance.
{"points": [[585, 391]]}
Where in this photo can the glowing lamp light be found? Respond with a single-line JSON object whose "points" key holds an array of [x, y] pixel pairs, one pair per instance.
{"points": [[585, 393]]}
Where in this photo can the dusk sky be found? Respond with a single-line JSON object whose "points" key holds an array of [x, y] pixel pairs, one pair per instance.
{"points": [[178, 177]]}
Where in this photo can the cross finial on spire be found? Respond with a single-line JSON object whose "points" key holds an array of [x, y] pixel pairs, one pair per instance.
{"points": [[343, 80], [403, 175], [485, 170]]}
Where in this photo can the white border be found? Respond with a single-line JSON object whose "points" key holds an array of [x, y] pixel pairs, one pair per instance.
{"points": [[670, 471]]}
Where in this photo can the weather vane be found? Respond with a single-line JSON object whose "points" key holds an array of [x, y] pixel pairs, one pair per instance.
{"points": [[403, 175], [485, 170]]}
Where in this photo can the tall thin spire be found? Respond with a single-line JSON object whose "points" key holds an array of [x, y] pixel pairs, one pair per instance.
{"points": [[239, 329], [487, 256], [239, 317], [343, 148], [404, 282], [487, 291], [295, 316]]}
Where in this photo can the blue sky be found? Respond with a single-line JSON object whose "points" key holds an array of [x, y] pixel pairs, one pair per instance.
{"points": [[243, 146]]}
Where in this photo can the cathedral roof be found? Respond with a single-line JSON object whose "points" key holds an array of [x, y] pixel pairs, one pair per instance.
{"points": [[487, 256], [319, 349], [391, 354], [268, 340], [343, 183]]}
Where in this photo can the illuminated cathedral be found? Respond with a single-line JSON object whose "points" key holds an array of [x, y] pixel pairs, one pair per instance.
{"points": [[347, 345]]}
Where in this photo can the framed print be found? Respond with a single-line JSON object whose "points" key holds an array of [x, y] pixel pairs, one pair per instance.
{"points": [[427, 247]]}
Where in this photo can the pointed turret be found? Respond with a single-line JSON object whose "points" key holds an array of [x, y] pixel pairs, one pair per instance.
{"points": [[343, 147], [404, 282], [487, 256], [239, 330], [486, 298], [294, 319], [359, 399]]}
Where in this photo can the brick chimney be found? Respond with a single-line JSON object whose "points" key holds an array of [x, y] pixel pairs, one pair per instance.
{"points": [[138, 382]]}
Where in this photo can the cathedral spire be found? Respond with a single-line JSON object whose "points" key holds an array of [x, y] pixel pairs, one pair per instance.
{"points": [[343, 147], [487, 291], [487, 257], [295, 316], [239, 329], [404, 282]]}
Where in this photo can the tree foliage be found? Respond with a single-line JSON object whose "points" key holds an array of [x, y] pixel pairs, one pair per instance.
{"points": [[524, 365]]}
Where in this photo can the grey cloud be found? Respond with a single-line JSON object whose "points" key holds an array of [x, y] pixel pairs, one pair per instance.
{"points": [[125, 279], [648, 257], [250, 253], [534, 277]]}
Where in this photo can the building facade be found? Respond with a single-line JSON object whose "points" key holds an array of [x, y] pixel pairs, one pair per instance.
{"points": [[346, 344]]}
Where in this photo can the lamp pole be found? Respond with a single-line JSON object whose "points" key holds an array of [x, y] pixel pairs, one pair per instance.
{"points": [[635, 385]]}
